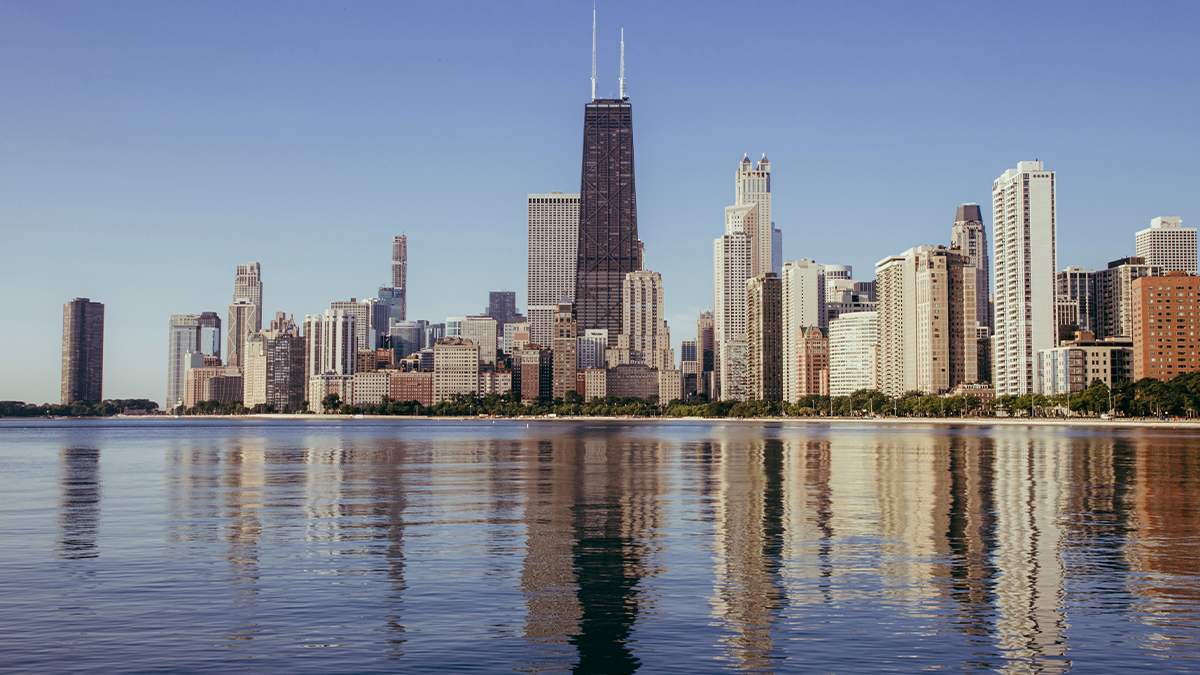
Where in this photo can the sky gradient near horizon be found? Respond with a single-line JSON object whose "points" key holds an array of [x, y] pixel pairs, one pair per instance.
{"points": [[147, 148]]}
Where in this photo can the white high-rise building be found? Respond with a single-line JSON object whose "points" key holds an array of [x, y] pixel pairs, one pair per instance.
{"points": [[455, 368], [183, 337], [363, 314], [1167, 244], [330, 346], [803, 307], [481, 329], [1023, 209], [590, 348], [731, 269], [752, 187], [553, 255], [853, 341]]}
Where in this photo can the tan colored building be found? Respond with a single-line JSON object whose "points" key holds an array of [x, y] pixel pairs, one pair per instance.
{"points": [[812, 362], [928, 340], [412, 385], [1166, 326], [670, 386], [206, 382], [564, 348], [374, 359], [482, 330], [1075, 364], [595, 384], [273, 367], [645, 336], [764, 333], [320, 386], [370, 387], [495, 382], [455, 368]]}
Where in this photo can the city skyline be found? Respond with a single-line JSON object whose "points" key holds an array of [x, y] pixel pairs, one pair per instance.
{"points": [[136, 309]]}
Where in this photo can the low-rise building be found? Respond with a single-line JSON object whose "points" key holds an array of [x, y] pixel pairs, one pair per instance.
{"points": [[405, 386], [321, 386], [456, 367], [595, 384], [1075, 364], [670, 385], [632, 380]]}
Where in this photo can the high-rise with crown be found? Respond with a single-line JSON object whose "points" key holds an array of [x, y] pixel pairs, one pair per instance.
{"points": [[608, 234], [968, 236], [752, 188]]}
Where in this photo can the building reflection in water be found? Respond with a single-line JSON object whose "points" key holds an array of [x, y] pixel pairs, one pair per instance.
{"points": [[1165, 553], [749, 535], [79, 506], [971, 535], [242, 483], [615, 520]]}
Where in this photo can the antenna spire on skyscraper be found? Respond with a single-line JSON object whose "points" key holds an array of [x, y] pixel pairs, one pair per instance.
{"points": [[593, 52], [621, 80]]}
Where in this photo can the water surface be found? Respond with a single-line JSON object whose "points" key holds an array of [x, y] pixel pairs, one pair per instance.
{"points": [[367, 545]]}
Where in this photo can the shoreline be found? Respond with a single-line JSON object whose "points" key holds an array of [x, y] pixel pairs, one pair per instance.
{"points": [[1124, 423]]}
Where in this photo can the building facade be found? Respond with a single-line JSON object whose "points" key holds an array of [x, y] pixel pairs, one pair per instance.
{"points": [[1076, 308], [928, 337], [608, 230], [731, 271], [564, 351], [248, 287], [455, 369], [82, 352], [812, 362], [1166, 326], [1168, 245], [646, 337], [1075, 364], [274, 371], [1112, 291], [1024, 211], [853, 342], [969, 238], [482, 330], [553, 256], [765, 336], [803, 307]]}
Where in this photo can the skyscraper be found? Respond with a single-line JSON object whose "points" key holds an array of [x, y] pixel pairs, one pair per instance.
{"points": [[731, 269], [1075, 303], [646, 338], [968, 236], [1112, 293], [394, 299], [763, 337], [752, 188], [502, 306], [481, 329], [273, 374], [1167, 244], [927, 327], [705, 352], [1023, 208], [242, 317], [803, 287], [82, 352], [608, 234], [362, 311], [247, 286], [553, 256], [189, 334]]}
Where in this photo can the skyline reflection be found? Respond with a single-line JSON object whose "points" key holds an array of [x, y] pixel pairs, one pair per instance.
{"points": [[592, 549]]}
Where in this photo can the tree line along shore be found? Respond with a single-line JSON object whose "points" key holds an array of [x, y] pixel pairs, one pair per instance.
{"points": [[1178, 397]]}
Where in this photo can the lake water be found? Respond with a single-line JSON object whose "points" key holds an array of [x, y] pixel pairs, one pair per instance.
{"points": [[370, 545]]}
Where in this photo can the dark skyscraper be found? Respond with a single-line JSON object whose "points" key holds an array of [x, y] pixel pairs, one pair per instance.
{"points": [[395, 297], [82, 351], [608, 234], [502, 306]]}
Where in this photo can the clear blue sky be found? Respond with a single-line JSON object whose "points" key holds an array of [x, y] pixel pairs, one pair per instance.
{"points": [[146, 147]]}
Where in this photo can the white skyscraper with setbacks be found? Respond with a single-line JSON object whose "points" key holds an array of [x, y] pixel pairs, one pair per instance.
{"points": [[1023, 210], [731, 269], [1167, 244], [553, 256]]}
